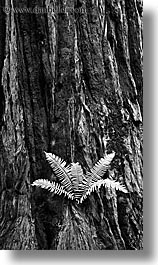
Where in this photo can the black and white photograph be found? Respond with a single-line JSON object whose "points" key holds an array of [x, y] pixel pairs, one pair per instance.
{"points": [[71, 125]]}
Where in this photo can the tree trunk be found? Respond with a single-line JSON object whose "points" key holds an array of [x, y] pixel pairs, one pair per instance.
{"points": [[71, 84]]}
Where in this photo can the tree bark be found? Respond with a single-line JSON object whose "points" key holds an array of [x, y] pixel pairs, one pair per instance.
{"points": [[71, 84]]}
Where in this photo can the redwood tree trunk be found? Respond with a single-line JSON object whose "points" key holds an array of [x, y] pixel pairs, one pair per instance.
{"points": [[71, 84]]}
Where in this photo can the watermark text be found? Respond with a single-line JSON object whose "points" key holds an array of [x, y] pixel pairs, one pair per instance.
{"points": [[42, 10]]}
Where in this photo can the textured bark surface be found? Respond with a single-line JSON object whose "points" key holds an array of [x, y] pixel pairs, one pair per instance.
{"points": [[71, 84]]}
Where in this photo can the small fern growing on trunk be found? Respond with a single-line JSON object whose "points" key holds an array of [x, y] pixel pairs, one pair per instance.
{"points": [[73, 182]]}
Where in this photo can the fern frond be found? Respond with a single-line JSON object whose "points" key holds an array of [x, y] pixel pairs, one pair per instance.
{"points": [[78, 179], [107, 183], [52, 187], [62, 171], [99, 169]]}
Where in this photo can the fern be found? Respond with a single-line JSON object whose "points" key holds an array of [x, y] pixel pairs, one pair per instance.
{"points": [[73, 183]]}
